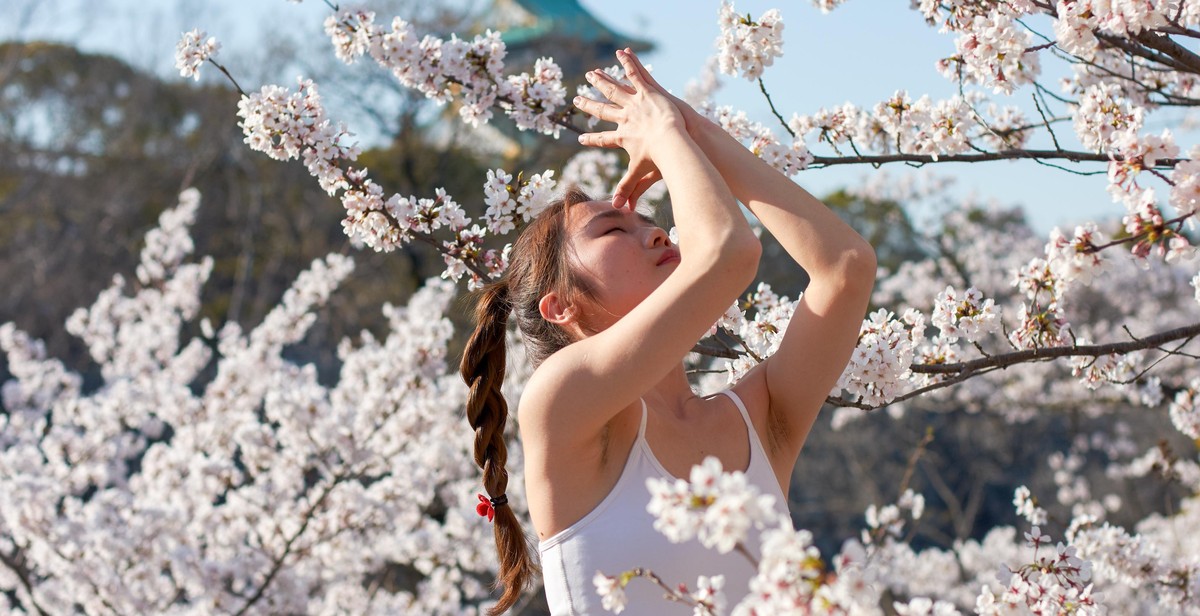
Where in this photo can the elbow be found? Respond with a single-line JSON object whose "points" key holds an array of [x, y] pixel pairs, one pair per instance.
{"points": [[742, 256], [863, 257], [858, 264]]}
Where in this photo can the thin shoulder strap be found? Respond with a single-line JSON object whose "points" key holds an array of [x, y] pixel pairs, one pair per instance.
{"points": [[642, 429], [741, 407]]}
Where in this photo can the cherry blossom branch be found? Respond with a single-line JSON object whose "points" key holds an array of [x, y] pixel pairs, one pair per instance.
{"points": [[741, 548], [671, 594], [1166, 353], [277, 562], [914, 458], [1129, 46], [1094, 350], [962, 371], [16, 564], [1163, 44], [711, 351], [92, 584], [923, 159], [1177, 221]]}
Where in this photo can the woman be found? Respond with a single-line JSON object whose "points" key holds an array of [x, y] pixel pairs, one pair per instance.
{"points": [[609, 308]]}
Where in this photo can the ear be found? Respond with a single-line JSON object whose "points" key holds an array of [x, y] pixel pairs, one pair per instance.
{"points": [[556, 309]]}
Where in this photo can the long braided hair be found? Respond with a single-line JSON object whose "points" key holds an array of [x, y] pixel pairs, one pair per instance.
{"points": [[538, 264]]}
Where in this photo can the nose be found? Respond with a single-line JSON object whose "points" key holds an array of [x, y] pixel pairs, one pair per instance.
{"points": [[658, 237]]}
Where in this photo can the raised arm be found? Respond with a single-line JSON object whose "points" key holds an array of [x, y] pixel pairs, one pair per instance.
{"points": [[579, 389], [841, 264]]}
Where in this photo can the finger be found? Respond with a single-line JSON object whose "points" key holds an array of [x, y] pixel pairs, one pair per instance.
{"points": [[643, 185], [625, 188], [603, 111], [631, 66], [608, 86], [603, 139], [647, 78]]}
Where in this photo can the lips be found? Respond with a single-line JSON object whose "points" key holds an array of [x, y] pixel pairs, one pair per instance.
{"points": [[668, 255]]}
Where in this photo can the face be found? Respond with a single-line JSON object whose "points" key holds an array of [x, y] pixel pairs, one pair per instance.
{"points": [[621, 254]]}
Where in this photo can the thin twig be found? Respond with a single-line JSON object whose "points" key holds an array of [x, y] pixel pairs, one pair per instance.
{"points": [[762, 86], [228, 76]]}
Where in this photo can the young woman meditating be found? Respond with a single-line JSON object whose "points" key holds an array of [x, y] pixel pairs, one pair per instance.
{"points": [[609, 307]]}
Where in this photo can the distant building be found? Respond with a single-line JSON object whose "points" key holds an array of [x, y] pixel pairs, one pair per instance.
{"points": [[562, 29]]}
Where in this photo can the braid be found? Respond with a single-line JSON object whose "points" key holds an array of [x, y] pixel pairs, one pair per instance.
{"points": [[482, 367]]}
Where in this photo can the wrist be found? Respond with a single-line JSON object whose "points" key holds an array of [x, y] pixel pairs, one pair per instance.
{"points": [[697, 124], [669, 134]]}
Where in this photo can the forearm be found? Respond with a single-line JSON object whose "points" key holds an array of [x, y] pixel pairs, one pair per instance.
{"points": [[706, 213], [816, 238]]}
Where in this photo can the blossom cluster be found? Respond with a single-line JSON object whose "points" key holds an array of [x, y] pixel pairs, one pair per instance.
{"points": [[708, 599], [879, 367], [1076, 259], [193, 50], [992, 52], [969, 316], [900, 124], [745, 46], [788, 572], [888, 520], [1055, 583], [1027, 507], [789, 158], [435, 66], [513, 202], [758, 336], [1185, 412], [287, 125], [716, 507]]}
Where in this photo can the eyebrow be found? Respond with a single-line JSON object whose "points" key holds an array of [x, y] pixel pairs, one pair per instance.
{"points": [[617, 214]]}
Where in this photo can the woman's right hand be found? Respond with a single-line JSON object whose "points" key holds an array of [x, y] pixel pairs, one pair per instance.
{"points": [[644, 113]]}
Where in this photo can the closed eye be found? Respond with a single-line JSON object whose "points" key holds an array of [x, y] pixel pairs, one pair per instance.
{"points": [[613, 229]]}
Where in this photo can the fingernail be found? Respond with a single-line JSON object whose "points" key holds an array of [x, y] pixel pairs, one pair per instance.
{"points": [[581, 139], [577, 100]]}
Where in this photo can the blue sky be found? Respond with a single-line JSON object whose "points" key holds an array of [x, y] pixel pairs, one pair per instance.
{"points": [[861, 52]]}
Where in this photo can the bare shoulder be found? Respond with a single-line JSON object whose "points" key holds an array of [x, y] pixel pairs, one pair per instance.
{"points": [[534, 404], [552, 391]]}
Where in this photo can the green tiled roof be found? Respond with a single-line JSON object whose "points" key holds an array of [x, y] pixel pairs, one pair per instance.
{"points": [[567, 19]]}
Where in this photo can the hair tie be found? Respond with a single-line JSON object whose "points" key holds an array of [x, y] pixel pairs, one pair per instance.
{"points": [[487, 506]]}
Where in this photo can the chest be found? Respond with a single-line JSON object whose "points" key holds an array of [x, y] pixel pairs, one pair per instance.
{"points": [[679, 445]]}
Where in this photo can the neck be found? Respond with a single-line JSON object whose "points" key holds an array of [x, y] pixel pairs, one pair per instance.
{"points": [[673, 393]]}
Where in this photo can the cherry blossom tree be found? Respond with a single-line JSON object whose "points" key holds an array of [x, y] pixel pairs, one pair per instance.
{"points": [[262, 490]]}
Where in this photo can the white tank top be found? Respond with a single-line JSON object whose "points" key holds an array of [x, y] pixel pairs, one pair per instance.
{"points": [[619, 535]]}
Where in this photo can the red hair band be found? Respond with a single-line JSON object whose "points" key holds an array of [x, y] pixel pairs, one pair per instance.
{"points": [[487, 506]]}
